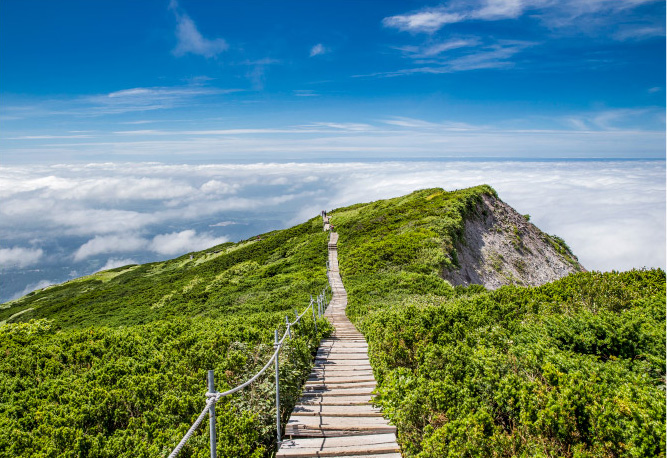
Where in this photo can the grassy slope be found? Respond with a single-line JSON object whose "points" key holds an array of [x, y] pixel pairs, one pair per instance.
{"points": [[572, 368], [114, 364]]}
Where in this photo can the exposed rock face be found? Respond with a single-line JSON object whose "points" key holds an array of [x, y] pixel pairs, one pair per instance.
{"points": [[500, 247]]}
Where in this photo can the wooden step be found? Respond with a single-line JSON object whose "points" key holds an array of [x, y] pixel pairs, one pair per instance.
{"points": [[340, 426], [335, 379], [338, 375], [349, 446], [359, 400], [336, 411], [314, 386], [364, 390]]}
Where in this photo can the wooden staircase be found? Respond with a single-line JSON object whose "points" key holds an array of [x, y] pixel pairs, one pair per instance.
{"points": [[334, 416]]}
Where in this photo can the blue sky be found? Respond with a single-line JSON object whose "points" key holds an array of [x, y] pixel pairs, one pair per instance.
{"points": [[134, 131], [237, 81]]}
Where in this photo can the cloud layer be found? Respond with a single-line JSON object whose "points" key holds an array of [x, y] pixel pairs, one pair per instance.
{"points": [[64, 218]]}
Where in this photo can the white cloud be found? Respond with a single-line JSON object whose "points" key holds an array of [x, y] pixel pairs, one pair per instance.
{"points": [[218, 187], [305, 93], [429, 21], [589, 16], [430, 50], [500, 9], [20, 257], [190, 40], [103, 244], [639, 32], [317, 50], [112, 263], [33, 287], [471, 55], [46, 137], [184, 241], [257, 71]]}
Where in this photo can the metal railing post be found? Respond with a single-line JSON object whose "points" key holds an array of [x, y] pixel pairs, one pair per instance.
{"points": [[289, 333], [277, 345], [312, 308], [211, 416]]}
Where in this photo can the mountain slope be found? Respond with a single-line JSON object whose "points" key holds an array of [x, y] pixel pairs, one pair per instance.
{"points": [[574, 367], [114, 364], [267, 273]]}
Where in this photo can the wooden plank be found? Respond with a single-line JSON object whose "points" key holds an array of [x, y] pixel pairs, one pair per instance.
{"points": [[333, 380], [337, 411], [309, 387], [337, 376], [347, 363], [340, 446], [357, 400], [338, 392], [337, 426]]}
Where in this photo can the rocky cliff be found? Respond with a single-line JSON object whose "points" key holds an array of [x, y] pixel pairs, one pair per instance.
{"points": [[501, 247]]}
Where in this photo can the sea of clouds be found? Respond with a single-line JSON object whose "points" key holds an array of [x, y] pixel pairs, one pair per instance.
{"points": [[62, 221]]}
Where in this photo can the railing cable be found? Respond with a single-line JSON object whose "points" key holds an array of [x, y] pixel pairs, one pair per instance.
{"points": [[214, 396]]}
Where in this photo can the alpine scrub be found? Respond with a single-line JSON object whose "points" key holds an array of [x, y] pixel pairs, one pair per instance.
{"points": [[571, 368], [114, 365]]}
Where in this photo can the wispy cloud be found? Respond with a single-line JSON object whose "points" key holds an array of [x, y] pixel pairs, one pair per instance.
{"points": [[412, 123], [317, 50], [598, 16], [132, 100], [427, 20], [190, 40], [149, 98], [305, 93], [257, 71], [611, 132], [639, 32], [430, 50], [47, 137], [433, 59], [614, 119]]}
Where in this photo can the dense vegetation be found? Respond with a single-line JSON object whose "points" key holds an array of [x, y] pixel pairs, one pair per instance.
{"points": [[115, 364], [572, 368]]}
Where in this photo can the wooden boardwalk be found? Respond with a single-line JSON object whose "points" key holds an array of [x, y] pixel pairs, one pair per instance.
{"points": [[334, 417]]}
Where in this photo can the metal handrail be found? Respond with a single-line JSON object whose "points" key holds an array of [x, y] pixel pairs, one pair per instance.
{"points": [[214, 396]]}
